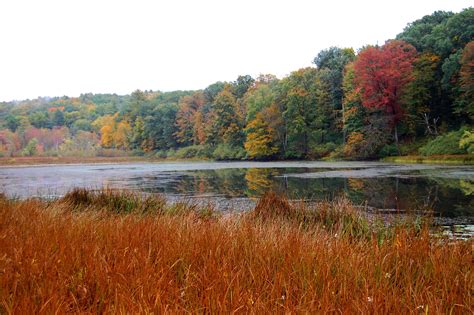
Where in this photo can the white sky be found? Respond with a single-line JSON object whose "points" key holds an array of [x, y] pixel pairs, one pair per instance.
{"points": [[68, 47]]}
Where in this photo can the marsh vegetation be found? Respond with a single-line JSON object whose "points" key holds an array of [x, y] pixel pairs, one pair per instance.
{"points": [[111, 251]]}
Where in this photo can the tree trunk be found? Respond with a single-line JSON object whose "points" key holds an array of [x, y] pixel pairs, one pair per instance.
{"points": [[343, 125], [306, 145], [395, 134]]}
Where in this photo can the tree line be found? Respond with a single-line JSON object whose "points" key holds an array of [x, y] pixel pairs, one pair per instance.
{"points": [[414, 94]]}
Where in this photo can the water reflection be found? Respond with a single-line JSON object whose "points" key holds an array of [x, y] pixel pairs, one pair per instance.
{"points": [[449, 197], [259, 180], [449, 190]]}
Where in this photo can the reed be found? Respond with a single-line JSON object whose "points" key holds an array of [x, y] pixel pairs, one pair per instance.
{"points": [[118, 201], [76, 255]]}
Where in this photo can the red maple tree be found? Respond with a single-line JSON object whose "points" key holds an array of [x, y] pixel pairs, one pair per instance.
{"points": [[382, 73]]}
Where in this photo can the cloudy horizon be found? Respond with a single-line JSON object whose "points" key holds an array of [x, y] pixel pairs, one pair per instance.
{"points": [[54, 48]]}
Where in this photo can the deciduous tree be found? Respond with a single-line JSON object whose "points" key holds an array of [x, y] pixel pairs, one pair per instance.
{"points": [[228, 124], [260, 139], [300, 106], [465, 103], [189, 119], [382, 74]]}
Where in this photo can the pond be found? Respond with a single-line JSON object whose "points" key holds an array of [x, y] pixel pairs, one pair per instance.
{"points": [[448, 190]]}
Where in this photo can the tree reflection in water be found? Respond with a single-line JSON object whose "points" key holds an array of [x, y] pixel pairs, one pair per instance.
{"points": [[447, 196]]}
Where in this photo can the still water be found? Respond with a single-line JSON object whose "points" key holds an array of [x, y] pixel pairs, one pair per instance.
{"points": [[448, 190]]}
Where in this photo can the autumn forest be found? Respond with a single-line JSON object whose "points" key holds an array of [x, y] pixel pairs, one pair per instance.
{"points": [[412, 95]]}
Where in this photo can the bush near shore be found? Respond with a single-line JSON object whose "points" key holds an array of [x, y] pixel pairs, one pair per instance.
{"points": [[119, 252]]}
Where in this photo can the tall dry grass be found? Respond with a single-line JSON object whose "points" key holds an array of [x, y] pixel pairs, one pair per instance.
{"points": [[90, 253]]}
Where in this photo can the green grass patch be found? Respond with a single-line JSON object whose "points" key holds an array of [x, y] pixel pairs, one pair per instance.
{"points": [[465, 159]]}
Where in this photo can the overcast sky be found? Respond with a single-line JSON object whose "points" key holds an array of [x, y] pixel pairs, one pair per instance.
{"points": [[69, 47]]}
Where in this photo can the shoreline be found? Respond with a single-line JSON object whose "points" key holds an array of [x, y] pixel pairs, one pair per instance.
{"points": [[49, 160], [434, 159]]}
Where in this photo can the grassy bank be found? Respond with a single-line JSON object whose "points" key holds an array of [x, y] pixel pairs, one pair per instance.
{"points": [[45, 160], [119, 252], [467, 159], [39, 160]]}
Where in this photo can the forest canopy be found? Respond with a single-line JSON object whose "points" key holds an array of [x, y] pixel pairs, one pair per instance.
{"points": [[412, 95]]}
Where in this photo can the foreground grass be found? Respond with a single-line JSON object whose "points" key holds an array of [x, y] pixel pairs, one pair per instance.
{"points": [[118, 252]]}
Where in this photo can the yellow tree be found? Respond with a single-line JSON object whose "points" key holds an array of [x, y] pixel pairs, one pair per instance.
{"points": [[259, 143], [106, 126], [113, 134], [189, 119], [122, 135], [199, 128]]}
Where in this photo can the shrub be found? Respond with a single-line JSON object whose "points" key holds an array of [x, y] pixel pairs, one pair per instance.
{"points": [[30, 148], [204, 151], [444, 144], [170, 154], [337, 153], [227, 152], [388, 150], [411, 147], [161, 154], [323, 150], [186, 152], [138, 152], [194, 151], [467, 141]]}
